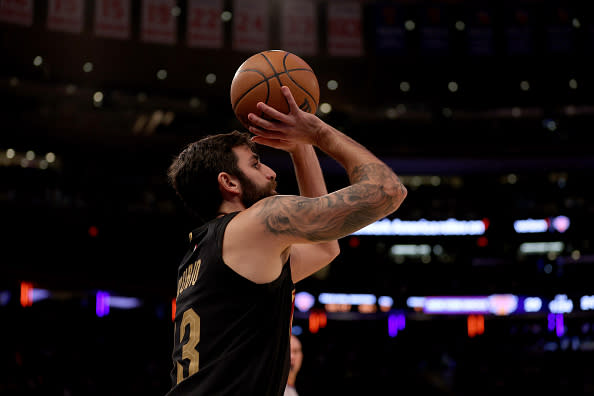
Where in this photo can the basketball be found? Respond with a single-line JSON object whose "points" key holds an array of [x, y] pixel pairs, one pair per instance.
{"points": [[260, 77]]}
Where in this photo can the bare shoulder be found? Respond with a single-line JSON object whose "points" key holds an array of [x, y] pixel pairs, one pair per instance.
{"points": [[287, 219], [257, 240], [270, 221], [251, 250]]}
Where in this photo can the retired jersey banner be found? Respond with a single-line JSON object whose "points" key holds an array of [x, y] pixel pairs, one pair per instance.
{"points": [[250, 25], [434, 31], [112, 18], [158, 24], [518, 32], [66, 15], [205, 28], [19, 12], [389, 29], [344, 29], [299, 32], [560, 32], [481, 36]]}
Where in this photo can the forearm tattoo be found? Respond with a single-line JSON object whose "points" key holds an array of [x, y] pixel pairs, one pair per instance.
{"points": [[376, 192]]}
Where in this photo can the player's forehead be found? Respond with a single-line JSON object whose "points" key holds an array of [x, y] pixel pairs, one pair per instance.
{"points": [[245, 155], [295, 343]]}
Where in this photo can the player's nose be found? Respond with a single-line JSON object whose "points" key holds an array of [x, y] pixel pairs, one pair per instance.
{"points": [[270, 174]]}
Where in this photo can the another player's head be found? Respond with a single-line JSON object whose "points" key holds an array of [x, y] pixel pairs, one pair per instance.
{"points": [[219, 167], [296, 359]]}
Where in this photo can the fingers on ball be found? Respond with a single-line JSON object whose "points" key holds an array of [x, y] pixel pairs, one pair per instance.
{"points": [[289, 96], [272, 112], [259, 121]]}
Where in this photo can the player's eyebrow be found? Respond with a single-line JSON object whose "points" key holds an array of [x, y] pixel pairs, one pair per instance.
{"points": [[256, 157]]}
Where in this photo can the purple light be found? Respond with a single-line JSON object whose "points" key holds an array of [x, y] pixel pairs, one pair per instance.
{"points": [[392, 328], [102, 305], [122, 302], [555, 322], [561, 223], [4, 297], [39, 294], [551, 321], [304, 301], [395, 322], [559, 326]]}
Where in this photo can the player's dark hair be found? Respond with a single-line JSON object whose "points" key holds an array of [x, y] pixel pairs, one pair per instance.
{"points": [[193, 173]]}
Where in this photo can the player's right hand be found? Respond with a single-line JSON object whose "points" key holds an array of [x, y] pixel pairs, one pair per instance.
{"points": [[297, 126]]}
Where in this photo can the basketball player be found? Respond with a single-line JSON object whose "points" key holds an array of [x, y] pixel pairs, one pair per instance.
{"points": [[235, 288]]}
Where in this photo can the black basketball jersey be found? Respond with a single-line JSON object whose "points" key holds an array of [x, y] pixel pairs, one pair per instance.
{"points": [[231, 334]]}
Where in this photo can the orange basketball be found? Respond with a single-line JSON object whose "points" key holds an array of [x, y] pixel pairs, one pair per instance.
{"points": [[260, 77]]}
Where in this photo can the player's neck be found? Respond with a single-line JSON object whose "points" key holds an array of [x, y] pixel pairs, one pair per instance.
{"points": [[291, 380], [229, 207]]}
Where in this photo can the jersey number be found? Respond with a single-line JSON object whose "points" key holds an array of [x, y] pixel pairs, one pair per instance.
{"points": [[190, 323]]}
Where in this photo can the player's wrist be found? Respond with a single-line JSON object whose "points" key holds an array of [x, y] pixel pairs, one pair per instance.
{"points": [[317, 133], [300, 149], [322, 135]]}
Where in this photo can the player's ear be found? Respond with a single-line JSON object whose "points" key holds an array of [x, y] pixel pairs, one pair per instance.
{"points": [[228, 183]]}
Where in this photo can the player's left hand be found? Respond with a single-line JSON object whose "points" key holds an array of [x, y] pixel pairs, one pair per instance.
{"points": [[280, 144]]}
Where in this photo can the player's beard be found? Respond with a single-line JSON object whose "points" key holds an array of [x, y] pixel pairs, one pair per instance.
{"points": [[252, 193]]}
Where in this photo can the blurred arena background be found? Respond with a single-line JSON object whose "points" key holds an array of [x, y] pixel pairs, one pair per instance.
{"points": [[480, 285]]}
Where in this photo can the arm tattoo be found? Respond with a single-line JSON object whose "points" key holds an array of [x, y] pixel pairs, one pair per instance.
{"points": [[376, 192]]}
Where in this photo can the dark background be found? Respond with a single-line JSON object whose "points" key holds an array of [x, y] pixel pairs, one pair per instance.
{"points": [[111, 176]]}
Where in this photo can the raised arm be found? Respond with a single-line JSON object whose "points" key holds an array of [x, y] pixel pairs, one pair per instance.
{"points": [[374, 193], [309, 258], [308, 171]]}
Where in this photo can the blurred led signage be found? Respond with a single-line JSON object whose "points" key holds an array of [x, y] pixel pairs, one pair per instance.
{"points": [[587, 303], [532, 304], [351, 299], [124, 302], [561, 304], [498, 304], [550, 224], [425, 227], [541, 247]]}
